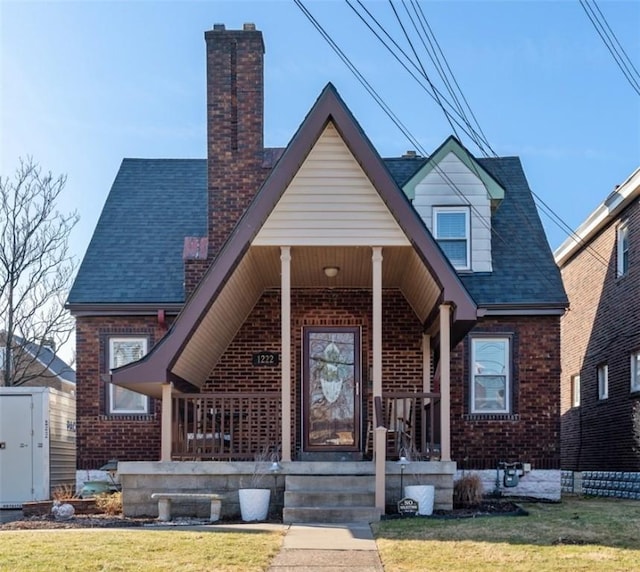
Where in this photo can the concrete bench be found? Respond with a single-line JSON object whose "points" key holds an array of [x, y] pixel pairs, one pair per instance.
{"points": [[164, 503]]}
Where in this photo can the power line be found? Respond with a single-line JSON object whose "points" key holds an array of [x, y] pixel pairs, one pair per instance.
{"points": [[404, 129], [610, 40]]}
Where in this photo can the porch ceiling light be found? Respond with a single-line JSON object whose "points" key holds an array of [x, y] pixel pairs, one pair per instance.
{"points": [[331, 271]]}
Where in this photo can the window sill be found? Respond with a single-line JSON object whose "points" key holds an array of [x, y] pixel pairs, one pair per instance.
{"points": [[128, 417], [491, 417]]}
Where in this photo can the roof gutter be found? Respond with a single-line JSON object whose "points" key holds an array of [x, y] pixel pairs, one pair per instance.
{"points": [[607, 211], [117, 309]]}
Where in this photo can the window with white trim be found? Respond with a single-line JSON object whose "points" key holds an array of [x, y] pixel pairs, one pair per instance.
{"points": [[635, 371], [490, 375], [121, 352], [603, 381], [451, 229], [575, 391], [623, 249]]}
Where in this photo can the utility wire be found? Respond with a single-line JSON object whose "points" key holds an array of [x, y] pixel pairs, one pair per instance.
{"points": [[401, 62], [608, 37], [399, 124], [422, 18]]}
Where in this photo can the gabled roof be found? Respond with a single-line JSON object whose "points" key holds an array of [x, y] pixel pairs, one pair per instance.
{"points": [[328, 108], [495, 190], [48, 358]]}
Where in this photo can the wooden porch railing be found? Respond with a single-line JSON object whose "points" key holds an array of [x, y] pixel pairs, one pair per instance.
{"points": [[413, 424], [224, 426]]}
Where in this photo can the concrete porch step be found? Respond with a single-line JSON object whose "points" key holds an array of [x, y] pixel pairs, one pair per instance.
{"points": [[341, 483], [323, 497], [330, 514], [330, 498]]}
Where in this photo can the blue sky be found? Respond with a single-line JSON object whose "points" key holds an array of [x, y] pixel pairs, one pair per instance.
{"points": [[84, 84]]}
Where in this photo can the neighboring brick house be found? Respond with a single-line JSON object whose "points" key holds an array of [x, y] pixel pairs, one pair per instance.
{"points": [[600, 267], [36, 365], [319, 289]]}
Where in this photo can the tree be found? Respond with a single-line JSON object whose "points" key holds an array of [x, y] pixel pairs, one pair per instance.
{"points": [[36, 270]]}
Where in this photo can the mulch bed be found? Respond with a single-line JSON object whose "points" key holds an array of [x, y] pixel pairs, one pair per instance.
{"points": [[489, 507]]}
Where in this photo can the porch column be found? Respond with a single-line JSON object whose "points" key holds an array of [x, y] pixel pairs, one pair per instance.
{"points": [[167, 415], [285, 340], [380, 451], [445, 382], [426, 363]]}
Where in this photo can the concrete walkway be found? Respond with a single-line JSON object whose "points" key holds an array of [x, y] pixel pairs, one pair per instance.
{"points": [[326, 548]]}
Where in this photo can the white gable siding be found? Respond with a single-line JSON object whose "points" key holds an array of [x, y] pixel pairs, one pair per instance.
{"points": [[330, 201], [435, 191]]}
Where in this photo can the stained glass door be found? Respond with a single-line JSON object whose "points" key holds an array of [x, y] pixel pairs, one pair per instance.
{"points": [[331, 389]]}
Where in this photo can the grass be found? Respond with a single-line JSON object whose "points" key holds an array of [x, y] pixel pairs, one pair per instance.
{"points": [[111, 550], [577, 534]]}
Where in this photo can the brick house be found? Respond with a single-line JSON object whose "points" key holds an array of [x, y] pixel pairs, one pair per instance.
{"points": [[339, 308], [36, 365], [601, 347]]}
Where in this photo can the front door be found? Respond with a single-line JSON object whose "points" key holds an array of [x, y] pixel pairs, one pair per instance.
{"points": [[331, 389]]}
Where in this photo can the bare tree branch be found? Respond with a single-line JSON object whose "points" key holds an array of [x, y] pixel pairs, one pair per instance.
{"points": [[36, 270]]}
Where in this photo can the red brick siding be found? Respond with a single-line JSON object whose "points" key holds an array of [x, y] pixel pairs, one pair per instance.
{"points": [[601, 327], [100, 436], [402, 364], [532, 432], [235, 108], [532, 436]]}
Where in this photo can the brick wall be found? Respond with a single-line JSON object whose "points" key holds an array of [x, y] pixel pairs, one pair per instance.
{"points": [[402, 335], [100, 436], [531, 433], [235, 108], [601, 327]]}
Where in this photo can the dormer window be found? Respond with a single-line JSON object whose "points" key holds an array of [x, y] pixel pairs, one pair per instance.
{"points": [[451, 229]]}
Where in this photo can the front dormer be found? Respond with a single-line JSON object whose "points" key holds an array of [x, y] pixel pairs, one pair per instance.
{"points": [[454, 195]]}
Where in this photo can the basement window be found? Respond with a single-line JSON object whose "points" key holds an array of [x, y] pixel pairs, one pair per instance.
{"points": [[121, 352]]}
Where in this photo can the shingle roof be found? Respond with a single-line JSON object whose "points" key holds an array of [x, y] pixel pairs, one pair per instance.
{"points": [[524, 271], [135, 255], [48, 357]]}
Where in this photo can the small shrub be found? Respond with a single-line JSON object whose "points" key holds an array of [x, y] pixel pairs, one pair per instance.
{"points": [[110, 503], [467, 491], [64, 492]]}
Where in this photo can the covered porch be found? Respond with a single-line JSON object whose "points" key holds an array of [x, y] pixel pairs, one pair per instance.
{"points": [[332, 278]]}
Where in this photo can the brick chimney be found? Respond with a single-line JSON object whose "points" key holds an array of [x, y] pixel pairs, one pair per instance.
{"points": [[235, 109]]}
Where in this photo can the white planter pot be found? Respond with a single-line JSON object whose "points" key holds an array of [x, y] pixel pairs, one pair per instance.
{"points": [[254, 503], [424, 495]]}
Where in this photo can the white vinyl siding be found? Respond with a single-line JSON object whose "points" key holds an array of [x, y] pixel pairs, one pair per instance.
{"points": [[603, 381], [330, 201], [453, 184], [623, 250], [490, 375], [121, 352]]}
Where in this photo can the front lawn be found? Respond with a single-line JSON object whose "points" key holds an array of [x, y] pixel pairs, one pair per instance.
{"points": [[110, 550], [577, 534]]}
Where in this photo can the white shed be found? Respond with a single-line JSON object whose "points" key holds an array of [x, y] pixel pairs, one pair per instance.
{"points": [[37, 443]]}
